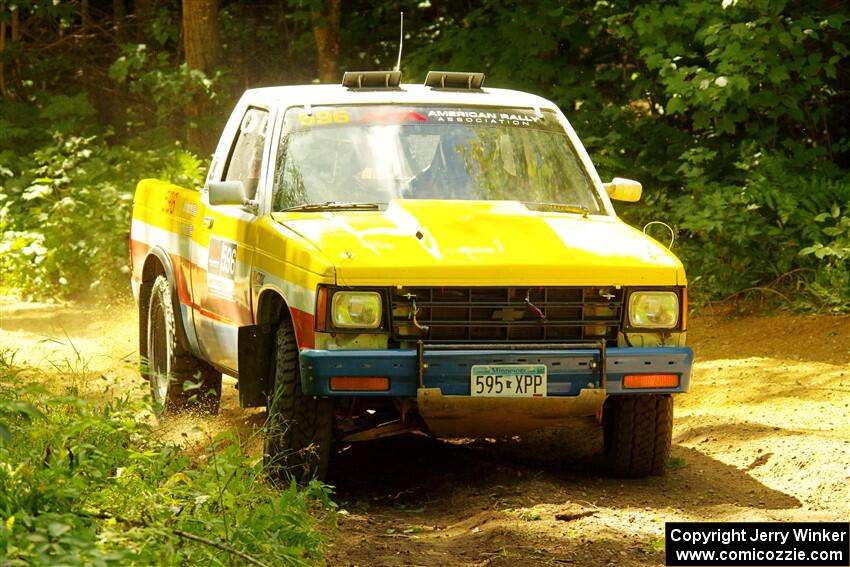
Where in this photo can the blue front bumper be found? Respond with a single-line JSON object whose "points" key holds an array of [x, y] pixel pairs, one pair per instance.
{"points": [[569, 371]]}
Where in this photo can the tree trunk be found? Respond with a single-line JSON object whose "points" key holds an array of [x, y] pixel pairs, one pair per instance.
{"points": [[202, 48], [143, 9], [16, 37], [119, 12], [143, 12], [16, 24], [2, 49], [200, 34], [326, 33], [85, 14]]}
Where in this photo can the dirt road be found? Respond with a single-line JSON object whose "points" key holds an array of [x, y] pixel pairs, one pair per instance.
{"points": [[764, 434]]}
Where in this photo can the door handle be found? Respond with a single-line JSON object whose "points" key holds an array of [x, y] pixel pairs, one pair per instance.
{"points": [[208, 222]]}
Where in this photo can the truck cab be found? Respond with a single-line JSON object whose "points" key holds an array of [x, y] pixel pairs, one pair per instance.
{"points": [[374, 258]]}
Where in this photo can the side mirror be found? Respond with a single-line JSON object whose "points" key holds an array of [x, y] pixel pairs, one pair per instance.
{"points": [[227, 193], [620, 189]]}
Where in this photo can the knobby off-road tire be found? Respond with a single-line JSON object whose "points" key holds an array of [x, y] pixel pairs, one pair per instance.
{"points": [[170, 366], [298, 428], [638, 432]]}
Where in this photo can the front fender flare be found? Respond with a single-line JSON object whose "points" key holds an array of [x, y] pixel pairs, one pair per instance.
{"points": [[149, 273]]}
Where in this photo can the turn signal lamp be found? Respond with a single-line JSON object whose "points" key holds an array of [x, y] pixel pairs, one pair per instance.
{"points": [[322, 309], [360, 383], [651, 381]]}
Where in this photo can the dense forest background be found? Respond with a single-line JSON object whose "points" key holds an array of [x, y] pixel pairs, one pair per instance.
{"points": [[735, 115]]}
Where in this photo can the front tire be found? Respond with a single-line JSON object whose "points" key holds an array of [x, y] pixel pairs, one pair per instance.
{"points": [[170, 367], [298, 428], [638, 433]]}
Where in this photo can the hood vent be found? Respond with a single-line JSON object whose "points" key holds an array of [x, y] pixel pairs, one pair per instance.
{"points": [[372, 80], [454, 80]]}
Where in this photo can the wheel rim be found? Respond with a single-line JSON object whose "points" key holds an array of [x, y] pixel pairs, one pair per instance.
{"points": [[158, 354]]}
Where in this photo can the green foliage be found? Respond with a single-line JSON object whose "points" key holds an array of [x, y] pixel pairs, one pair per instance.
{"points": [[734, 115], [85, 484], [751, 83], [742, 235], [727, 69], [65, 202], [830, 286], [837, 245], [160, 90], [676, 463]]}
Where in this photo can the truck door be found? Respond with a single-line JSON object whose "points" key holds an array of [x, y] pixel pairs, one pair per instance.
{"points": [[221, 273]]}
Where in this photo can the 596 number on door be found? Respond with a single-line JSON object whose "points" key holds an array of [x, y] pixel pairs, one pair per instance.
{"points": [[508, 380]]}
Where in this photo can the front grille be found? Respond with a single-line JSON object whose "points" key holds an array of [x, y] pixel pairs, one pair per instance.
{"points": [[502, 314]]}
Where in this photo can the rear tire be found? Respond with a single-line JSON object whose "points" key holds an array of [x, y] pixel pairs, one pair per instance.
{"points": [[298, 428], [638, 433], [170, 367]]}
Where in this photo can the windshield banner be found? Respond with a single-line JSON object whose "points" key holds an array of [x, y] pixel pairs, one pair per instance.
{"points": [[298, 118]]}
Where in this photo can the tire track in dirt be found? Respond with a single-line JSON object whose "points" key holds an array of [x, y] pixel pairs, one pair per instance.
{"points": [[764, 434], [94, 348]]}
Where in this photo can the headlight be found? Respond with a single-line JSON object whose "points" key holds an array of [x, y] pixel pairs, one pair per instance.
{"points": [[654, 309], [356, 309]]}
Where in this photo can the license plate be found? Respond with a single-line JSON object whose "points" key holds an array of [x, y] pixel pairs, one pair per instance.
{"points": [[508, 380]]}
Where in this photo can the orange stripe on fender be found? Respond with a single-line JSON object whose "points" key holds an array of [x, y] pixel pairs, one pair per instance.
{"points": [[211, 315], [303, 323], [223, 311], [139, 253], [227, 311], [179, 279]]}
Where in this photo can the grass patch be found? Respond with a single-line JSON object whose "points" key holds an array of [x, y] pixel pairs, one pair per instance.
{"points": [[676, 463], [84, 483], [654, 546], [524, 514]]}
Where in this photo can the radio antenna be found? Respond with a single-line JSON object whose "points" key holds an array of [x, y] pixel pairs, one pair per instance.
{"points": [[400, 42]]}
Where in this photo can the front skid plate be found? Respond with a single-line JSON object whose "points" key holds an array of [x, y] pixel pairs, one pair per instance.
{"points": [[466, 416]]}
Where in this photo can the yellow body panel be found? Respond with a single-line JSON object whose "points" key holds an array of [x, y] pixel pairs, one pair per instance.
{"points": [[421, 242], [226, 260], [279, 250], [164, 205], [424, 242]]}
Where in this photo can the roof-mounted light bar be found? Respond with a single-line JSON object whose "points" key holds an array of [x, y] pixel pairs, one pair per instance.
{"points": [[454, 80], [371, 79]]}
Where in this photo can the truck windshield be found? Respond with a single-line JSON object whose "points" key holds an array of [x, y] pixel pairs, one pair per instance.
{"points": [[375, 153]]}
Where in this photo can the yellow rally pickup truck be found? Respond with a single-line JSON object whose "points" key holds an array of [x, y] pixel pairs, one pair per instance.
{"points": [[375, 258]]}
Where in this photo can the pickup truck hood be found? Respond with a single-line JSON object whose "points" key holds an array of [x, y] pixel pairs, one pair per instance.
{"points": [[423, 242]]}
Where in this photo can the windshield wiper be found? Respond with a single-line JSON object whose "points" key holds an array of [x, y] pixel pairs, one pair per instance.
{"points": [[331, 206], [560, 207]]}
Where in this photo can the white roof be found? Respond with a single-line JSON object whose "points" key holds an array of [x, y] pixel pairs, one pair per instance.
{"points": [[316, 95]]}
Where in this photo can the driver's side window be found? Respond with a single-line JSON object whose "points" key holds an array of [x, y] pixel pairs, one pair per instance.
{"points": [[246, 155], [288, 188]]}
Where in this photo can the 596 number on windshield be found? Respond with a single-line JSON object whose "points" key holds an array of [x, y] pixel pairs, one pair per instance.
{"points": [[324, 117]]}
